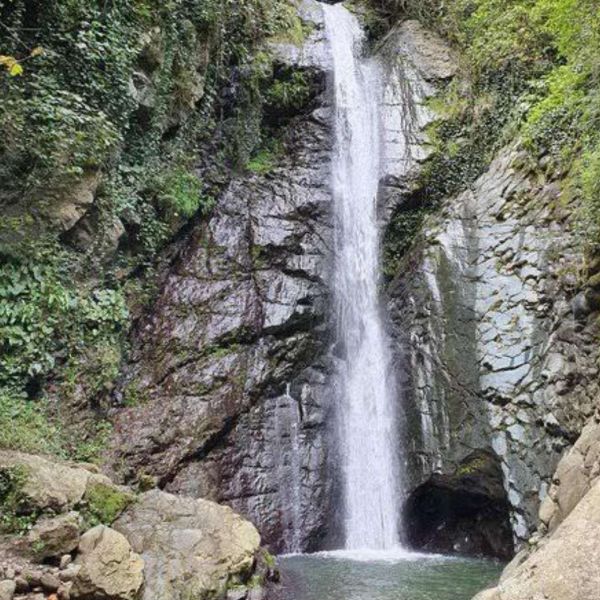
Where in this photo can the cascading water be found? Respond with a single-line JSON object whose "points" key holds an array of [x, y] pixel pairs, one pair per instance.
{"points": [[365, 386]]}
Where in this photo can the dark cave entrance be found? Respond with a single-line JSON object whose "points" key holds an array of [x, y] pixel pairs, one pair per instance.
{"points": [[464, 513]]}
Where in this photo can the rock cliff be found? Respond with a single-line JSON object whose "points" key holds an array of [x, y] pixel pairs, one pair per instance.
{"points": [[230, 364]]}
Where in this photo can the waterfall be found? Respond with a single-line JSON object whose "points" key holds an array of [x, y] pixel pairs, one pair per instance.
{"points": [[366, 395], [288, 421]]}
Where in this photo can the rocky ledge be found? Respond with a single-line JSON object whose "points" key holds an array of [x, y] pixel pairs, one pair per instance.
{"points": [[562, 560], [69, 532]]}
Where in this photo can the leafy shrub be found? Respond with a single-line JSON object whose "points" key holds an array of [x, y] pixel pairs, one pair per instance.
{"points": [[13, 518], [265, 159], [589, 174], [289, 92], [45, 316], [180, 194]]}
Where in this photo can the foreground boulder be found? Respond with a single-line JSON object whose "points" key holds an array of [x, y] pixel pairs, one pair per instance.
{"points": [[77, 547], [54, 537], [7, 589], [40, 485], [566, 566], [193, 549], [44, 484], [575, 475], [107, 567]]}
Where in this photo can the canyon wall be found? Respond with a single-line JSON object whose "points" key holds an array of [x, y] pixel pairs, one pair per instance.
{"points": [[493, 345], [487, 317], [230, 364]]}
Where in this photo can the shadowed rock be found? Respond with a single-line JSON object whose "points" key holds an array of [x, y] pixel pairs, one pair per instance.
{"points": [[465, 512]]}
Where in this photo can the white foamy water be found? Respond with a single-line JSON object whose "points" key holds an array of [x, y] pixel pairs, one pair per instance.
{"points": [[366, 396]]}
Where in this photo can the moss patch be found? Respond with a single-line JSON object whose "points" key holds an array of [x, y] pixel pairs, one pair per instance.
{"points": [[103, 503]]}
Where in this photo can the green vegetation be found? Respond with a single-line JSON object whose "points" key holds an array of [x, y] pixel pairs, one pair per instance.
{"points": [[42, 315], [25, 425], [118, 103], [180, 194], [284, 92], [269, 560], [530, 71], [90, 446], [13, 518], [472, 465], [265, 159], [290, 91], [103, 503]]}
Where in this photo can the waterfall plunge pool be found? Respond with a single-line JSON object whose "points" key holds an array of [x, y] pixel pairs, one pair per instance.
{"points": [[348, 575]]}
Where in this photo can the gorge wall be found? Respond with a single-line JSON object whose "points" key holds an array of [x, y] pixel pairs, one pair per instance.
{"points": [[231, 362], [236, 404], [496, 340], [491, 349], [167, 263]]}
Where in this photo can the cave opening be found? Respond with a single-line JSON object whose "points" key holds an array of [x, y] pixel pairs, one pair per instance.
{"points": [[465, 512]]}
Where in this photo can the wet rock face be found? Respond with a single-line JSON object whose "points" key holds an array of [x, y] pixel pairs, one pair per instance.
{"points": [[227, 366], [229, 369], [414, 64], [494, 355], [465, 512]]}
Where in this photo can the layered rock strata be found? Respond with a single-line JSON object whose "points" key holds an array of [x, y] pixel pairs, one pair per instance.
{"points": [[562, 561], [497, 356]]}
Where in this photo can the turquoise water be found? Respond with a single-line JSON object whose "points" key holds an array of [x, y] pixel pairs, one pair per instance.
{"points": [[340, 576]]}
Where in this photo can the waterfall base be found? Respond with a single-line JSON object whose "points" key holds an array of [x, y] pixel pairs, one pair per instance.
{"points": [[464, 513], [336, 577]]}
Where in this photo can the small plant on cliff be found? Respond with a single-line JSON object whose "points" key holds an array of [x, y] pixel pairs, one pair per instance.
{"points": [[14, 516], [181, 194], [264, 160]]}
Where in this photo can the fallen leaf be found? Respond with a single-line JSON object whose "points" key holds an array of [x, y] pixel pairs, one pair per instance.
{"points": [[15, 70]]}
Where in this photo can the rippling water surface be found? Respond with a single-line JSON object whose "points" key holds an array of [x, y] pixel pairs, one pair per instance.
{"points": [[356, 576]]}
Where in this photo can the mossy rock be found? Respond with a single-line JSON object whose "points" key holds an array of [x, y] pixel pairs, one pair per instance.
{"points": [[594, 282], [104, 501], [44, 485]]}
